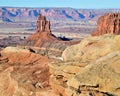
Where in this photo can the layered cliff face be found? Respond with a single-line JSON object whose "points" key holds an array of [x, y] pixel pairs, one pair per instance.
{"points": [[108, 24], [90, 68], [57, 13], [18, 14]]}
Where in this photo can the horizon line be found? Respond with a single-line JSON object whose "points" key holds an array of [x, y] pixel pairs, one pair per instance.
{"points": [[58, 7]]}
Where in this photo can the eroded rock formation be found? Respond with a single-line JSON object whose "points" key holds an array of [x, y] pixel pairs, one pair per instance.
{"points": [[23, 73], [42, 24], [90, 68], [46, 42], [108, 24], [42, 38], [42, 34]]}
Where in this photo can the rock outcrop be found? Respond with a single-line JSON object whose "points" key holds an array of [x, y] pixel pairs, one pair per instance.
{"points": [[92, 48], [108, 24], [23, 73], [42, 38], [90, 68], [44, 42], [43, 33], [42, 24]]}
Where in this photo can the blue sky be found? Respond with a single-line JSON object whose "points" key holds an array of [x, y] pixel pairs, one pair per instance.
{"points": [[97, 4]]}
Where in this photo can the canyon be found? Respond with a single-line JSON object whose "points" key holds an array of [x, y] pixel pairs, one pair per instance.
{"points": [[43, 64], [63, 20]]}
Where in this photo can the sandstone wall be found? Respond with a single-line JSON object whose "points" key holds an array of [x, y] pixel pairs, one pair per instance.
{"points": [[42, 24], [108, 24]]}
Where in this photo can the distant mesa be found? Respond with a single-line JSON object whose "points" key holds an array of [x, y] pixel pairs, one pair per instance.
{"points": [[5, 19], [108, 24]]}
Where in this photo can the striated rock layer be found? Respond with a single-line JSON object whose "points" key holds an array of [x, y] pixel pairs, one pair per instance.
{"points": [[23, 73], [90, 68], [108, 24]]}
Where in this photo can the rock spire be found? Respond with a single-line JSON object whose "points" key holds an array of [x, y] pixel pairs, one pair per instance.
{"points": [[42, 24]]}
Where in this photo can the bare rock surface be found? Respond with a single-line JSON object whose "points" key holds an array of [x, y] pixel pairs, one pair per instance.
{"points": [[108, 24], [23, 73], [90, 68], [92, 48]]}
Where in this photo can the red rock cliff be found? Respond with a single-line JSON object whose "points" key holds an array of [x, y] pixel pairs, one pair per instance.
{"points": [[42, 24], [108, 24]]}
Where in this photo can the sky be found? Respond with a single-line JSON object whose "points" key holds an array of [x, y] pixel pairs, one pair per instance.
{"points": [[78, 4]]}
